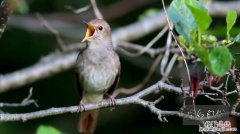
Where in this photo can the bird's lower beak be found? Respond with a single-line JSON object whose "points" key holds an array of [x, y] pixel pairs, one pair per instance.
{"points": [[89, 33]]}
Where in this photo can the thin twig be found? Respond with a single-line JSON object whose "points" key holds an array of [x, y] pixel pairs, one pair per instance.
{"points": [[169, 67], [210, 94], [158, 100], [25, 102], [137, 47], [79, 10], [213, 99], [166, 54], [184, 96], [171, 30], [226, 83], [127, 46], [97, 12], [150, 44], [217, 88], [236, 104], [143, 83], [53, 31], [231, 92]]}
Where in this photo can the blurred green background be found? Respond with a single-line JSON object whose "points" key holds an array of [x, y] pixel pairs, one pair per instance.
{"points": [[25, 42]]}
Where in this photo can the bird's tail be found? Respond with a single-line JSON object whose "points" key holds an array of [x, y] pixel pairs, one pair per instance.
{"points": [[88, 122]]}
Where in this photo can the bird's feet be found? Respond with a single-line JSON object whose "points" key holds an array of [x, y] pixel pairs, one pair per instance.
{"points": [[81, 107], [111, 99]]}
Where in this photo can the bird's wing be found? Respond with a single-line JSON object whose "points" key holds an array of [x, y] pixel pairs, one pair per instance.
{"points": [[115, 83], [78, 82], [79, 86]]}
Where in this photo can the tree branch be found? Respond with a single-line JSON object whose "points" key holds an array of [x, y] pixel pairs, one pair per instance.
{"points": [[150, 44], [48, 66], [97, 12], [53, 31], [105, 103], [80, 10], [141, 84], [134, 99], [220, 8]]}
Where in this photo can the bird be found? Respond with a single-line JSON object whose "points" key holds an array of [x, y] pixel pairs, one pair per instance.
{"points": [[97, 71]]}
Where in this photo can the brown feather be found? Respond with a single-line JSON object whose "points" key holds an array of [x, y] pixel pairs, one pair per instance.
{"points": [[114, 85], [88, 122]]}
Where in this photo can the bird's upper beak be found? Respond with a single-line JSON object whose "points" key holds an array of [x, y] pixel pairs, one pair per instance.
{"points": [[89, 33]]}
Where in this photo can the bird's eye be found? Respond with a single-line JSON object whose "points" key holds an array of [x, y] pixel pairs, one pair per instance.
{"points": [[100, 28]]}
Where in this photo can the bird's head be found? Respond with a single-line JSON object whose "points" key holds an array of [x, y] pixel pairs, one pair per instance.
{"points": [[97, 30]]}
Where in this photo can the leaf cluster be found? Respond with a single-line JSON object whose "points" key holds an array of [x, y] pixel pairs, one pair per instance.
{"points": [[191, 20]]}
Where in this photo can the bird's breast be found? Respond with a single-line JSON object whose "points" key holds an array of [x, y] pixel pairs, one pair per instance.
{"points": [[98, 78], [97, 74]]}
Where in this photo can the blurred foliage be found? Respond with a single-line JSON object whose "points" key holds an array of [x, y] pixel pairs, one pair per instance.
{"points": [[148, 12], [47, 130], [19, 6], [238, 38]]}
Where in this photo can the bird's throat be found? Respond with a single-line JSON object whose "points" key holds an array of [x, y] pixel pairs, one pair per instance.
{"points": [[90, 31]]}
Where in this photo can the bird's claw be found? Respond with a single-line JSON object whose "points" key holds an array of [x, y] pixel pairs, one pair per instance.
{"points": [[80, 107], [111, 99]]}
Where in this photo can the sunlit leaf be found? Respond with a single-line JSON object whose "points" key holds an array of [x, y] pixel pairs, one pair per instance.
{"points": [[231, 20], [220, 60], [200, 13], [182, 19], [47, 130], [202, 53]]}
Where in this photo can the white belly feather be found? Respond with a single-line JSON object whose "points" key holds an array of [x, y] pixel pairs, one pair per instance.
{"points": [[98, 79]]}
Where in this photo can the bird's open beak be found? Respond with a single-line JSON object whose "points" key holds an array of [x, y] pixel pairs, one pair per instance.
{"points": [[89, 33]]}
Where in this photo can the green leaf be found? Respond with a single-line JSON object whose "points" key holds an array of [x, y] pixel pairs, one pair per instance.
{"points": [[47, 130], [182, 19], [200, 13], [237, 38], [202, 53], [220, 60], [209, 40], [231, 20], [182, 41]]}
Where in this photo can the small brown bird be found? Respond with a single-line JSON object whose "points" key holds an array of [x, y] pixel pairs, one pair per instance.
{"points": [[98, 69]]}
